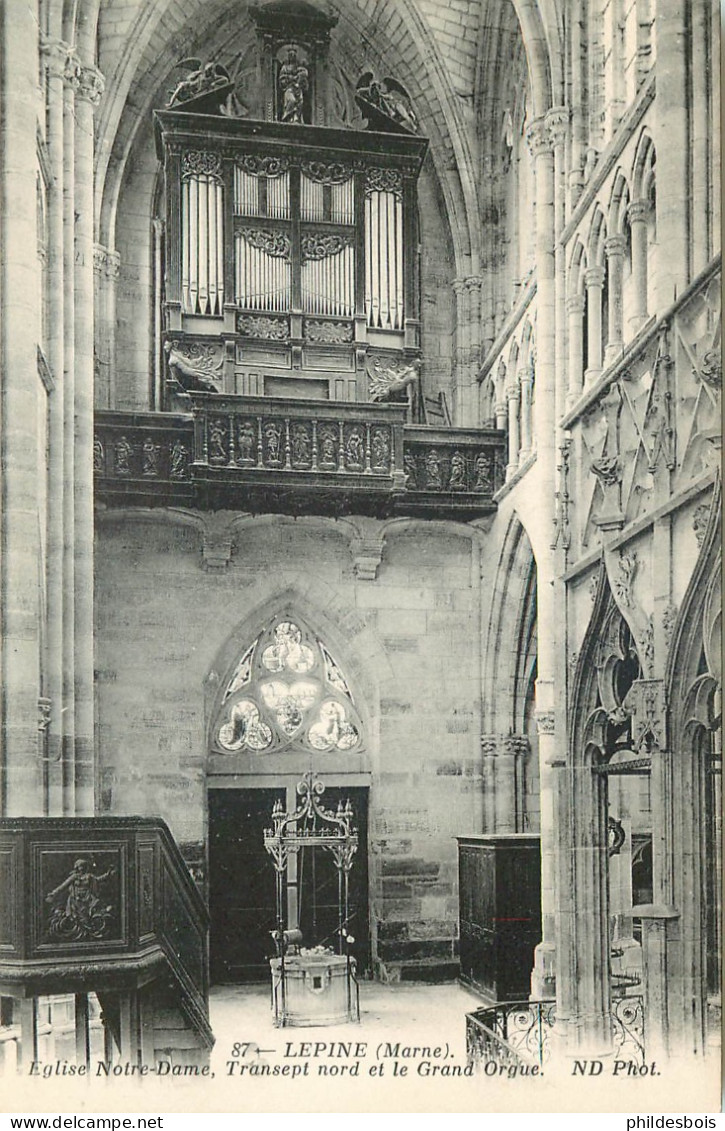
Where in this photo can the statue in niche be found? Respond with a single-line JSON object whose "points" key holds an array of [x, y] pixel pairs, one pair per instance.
{"points": [[355, 453], [217, 441], [293, 83], [300, 445], [386, 104], [179, 460], [273, 433], [482, 470], [433, 469]]}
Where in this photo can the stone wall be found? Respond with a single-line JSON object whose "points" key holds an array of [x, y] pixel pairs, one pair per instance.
{"points": [[407, 640]]}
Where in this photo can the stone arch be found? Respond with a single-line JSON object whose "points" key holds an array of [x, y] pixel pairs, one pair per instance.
{"points": [[688, 872], [618, 202], [643, 166]]}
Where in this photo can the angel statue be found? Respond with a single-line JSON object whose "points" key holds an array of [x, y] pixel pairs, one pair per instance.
{"points": [[201, 80], [192, 376], [385, 382], [294, 80]]}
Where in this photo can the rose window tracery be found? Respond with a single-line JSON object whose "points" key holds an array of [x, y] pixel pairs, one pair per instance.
{"points": [[287, 690]]}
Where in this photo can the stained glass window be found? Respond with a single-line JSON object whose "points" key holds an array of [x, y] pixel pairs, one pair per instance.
{"points": [[286, 691]]}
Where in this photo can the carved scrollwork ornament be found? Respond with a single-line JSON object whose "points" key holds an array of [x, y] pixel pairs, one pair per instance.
{"points": [[276, 244], [315, 245], [262, 326], [383, 180], [710, 371], [327, 173], [645, 702], [258, 165], [700, 521], [197, 163], [328, 332]]}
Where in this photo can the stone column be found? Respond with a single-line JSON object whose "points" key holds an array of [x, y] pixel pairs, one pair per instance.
{"points": [[614, 248], [575, 314], [70, 84], [594, 279], [56, 55], [541, 531], [88, 97], [557, 121], [106, 266], [489, 744], [638, 212], [702, 205], [526, 389], [501, 412], [672, 142], [20, 597], [512, 396]]}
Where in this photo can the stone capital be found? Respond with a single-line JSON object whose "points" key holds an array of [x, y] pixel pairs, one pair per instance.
{"points": [[557, 120], [614, 246], [526, 374], [512, 392], [638, 211], [473, 282], [55, 54], [575, 304], [538, 137], [91, 85], [594, 276]]}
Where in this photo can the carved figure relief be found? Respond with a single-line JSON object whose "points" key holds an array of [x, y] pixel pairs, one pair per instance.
{"points": [[328, 447], [301, 446], [151, 453], [179, 460], [410, 468], [354, 449], [433, 470], [273, 442], [209, 79], [123, 453], [246, 442], [78, 913], [380, 448], [457, 475], [98, 456], [217, 440], [482, 474]]}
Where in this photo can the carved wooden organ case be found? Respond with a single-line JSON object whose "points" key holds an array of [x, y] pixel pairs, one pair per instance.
{"points": [[291, 246]]}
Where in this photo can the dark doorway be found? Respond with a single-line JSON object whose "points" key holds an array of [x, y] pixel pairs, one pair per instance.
{"points": [[242, 884]]}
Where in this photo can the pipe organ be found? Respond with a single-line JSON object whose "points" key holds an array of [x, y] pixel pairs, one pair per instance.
{"points": [[290, 251]]}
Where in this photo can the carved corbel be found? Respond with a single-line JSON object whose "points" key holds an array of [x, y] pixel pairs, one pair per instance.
{"points": [[647, 706], [608, 470], [367, 554], [622, 567], [218, 543], [545, 722]]}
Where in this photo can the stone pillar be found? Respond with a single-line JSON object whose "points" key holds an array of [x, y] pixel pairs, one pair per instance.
{"points": [[106, 266], [575, 313], [702, 204], [512, 396], [70, 83], [20, 598], [489, 744], [594, 279], [657, 924], [526, 391], [468, 336], [56, 55], [638, 212], [501, 413], [541, 531], [557, 121], [614, 248], [88, 97], [672, 142]]}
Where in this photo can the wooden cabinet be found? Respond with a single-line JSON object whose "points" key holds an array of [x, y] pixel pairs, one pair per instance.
{"points": [[499, 912]]}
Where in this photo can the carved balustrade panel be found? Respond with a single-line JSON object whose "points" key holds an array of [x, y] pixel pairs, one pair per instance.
{"points": [[294, 456]]}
